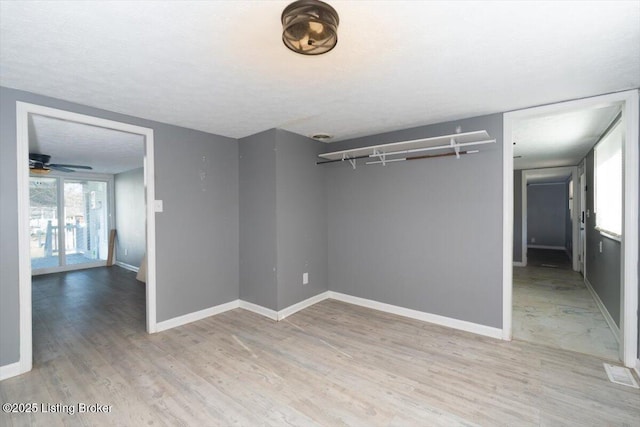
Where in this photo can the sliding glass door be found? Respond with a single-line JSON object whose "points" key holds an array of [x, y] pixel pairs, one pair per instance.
{"points": [[43, 222], [69, 223]]}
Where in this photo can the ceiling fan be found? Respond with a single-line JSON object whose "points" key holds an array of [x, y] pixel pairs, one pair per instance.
{"points": [[39, 164]]}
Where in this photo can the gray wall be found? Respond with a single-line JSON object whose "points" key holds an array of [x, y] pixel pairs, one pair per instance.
{"points": [[283, 230], [603, 269], [130, 216], [517, 216], [196, 235], [546, 214], [258, 233], [425, 235], [301, 218], [9, 298]]}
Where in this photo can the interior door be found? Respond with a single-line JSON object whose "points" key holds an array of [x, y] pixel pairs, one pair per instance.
{"points": [[583, 236]]}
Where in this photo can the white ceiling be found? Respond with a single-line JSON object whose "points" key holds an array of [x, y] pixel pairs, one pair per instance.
{"points": [[105, 150], [221, 67], [560, 139]]}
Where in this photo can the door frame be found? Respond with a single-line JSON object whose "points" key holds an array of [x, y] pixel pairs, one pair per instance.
{"points": [[582, 177], [630, 107], [23, 109], [575, 228]]}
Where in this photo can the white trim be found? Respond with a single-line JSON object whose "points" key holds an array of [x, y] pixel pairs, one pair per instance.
{"points": [[507, 229], [10, 370], [629, 302], [127, 266], [23, 109], [258, 309], [609, 235], [285, 312], [637, 367], [553, 248], [196, 315], [629, 244], [24, 257], [603, 309], [519, 264], [449, 322], [150, 197]]}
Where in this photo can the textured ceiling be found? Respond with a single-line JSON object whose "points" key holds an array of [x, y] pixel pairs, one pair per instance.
{"points": [[561, 139], [221, 67], [105, 150]]}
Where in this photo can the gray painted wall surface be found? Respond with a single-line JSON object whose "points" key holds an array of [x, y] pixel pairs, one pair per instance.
{"points": [[130, 216], [283, 229], [196, 235], [517, 216], [301, 218], [603, 269], [546, 214], [258, 233], [425, 235], [9, 297]]}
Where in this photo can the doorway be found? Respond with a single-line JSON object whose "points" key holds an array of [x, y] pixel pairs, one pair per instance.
{"points": [[629, 242], [69, 222], [94, 196]]}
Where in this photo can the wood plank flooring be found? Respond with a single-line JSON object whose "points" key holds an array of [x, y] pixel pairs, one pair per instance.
{"points": [[331, 364]]}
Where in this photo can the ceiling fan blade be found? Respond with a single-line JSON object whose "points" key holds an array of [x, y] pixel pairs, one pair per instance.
{"points": [[60, 168], [60, 165]]}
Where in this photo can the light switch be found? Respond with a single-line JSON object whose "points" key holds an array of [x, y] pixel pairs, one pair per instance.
{"points": [[305, 278], [159, 206]]}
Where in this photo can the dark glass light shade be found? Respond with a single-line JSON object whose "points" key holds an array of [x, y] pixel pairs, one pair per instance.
{"points": [[310, 27]]}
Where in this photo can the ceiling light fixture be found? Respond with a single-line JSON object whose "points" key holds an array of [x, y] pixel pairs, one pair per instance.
{"points": [[322, 136], [310, 27]]}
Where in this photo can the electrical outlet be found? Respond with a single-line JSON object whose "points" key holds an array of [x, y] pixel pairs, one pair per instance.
{"points": [[126, 252], [533, 240], [600, 246], [305, 278]]}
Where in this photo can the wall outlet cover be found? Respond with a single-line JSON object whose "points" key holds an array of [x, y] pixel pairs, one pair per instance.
{"points": [[305, 278]]}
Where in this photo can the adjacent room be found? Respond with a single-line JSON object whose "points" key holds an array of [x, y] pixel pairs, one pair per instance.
{"points": [[555, 300], [319, 213]]}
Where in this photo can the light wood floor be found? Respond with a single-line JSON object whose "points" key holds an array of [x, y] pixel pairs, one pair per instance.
{"points": [[331, 364]]}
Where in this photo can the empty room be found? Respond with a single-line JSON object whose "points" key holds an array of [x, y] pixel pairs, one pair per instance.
{"points": [[307, 213]]}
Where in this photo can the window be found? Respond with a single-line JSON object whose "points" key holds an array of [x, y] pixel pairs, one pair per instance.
{"points": [[608, 182]]}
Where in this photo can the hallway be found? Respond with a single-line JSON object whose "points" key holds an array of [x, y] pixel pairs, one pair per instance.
{"points": [[552, 306]]}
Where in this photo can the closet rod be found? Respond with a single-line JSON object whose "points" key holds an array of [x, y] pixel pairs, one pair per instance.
{"points": [[428, 156], [342, 160]]}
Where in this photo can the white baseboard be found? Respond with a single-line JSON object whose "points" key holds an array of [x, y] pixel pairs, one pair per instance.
{"points": [[10, 370], [196, 315], [519, 264], [302, 305], [127, 266], [555, 248], [263, 311], [607, 317], [462, 325], [258, 309]]}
